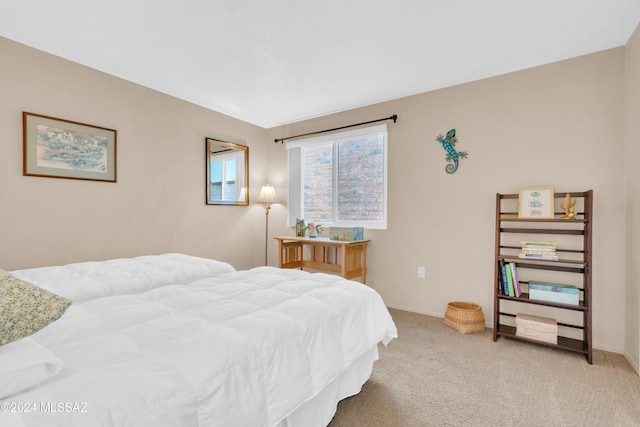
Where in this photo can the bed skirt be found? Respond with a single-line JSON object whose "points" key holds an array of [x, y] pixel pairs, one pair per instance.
{"points": [[320, 409]]}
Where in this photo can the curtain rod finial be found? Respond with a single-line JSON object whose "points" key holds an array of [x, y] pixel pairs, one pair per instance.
{"points": [[394, 117]]}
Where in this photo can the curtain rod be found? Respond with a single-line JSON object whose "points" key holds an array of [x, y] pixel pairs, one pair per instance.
{"points": [[394, 118]]}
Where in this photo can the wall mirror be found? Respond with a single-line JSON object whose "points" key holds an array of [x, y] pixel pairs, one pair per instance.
{"points": [[227, 173]]}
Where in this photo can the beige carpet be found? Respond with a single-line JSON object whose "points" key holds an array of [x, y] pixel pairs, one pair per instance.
{"points": [[434, 376]]}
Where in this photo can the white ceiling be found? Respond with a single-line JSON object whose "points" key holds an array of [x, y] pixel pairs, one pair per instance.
{"points": [[280, 61]]}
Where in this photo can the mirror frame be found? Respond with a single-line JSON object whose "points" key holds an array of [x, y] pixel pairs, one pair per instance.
{"points": [[209, 142]]}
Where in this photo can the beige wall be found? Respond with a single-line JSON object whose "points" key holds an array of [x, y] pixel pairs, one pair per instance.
{"points": [[632, 199], [560, 124], [156, 206]]}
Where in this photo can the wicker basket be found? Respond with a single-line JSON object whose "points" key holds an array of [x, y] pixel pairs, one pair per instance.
{"points": [[464, 317]]}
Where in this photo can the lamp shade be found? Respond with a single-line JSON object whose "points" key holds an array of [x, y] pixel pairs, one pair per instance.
{"points": [[267, 195]]}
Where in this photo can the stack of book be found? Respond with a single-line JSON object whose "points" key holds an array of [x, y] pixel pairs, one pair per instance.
{"points": [[539, 250]]}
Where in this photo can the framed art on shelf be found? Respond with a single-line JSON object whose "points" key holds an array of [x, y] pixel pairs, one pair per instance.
{"points": [[536, 202], [58, 148]]}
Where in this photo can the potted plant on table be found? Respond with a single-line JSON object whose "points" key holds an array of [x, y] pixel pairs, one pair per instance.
{"points": [[314, 229]]}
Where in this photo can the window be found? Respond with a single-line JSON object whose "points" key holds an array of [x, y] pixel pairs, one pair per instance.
{"points": [[340, 179], [223, 179], [227, 173]]}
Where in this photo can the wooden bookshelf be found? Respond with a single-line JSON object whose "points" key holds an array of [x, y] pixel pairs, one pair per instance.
{"points": [[574, 259]]}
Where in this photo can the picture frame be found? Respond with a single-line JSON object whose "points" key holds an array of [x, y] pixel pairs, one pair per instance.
{"points": [[536, 202], [58, 148]]}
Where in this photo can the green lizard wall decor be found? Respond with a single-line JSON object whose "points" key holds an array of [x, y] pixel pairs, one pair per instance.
{"points": [[448, 143]]}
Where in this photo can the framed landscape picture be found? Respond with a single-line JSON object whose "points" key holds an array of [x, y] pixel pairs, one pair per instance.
{"points": [[58, 148], [536, 202]]}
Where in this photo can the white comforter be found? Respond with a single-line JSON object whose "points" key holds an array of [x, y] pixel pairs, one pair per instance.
{"points": [[245, 348], [84, 281]]}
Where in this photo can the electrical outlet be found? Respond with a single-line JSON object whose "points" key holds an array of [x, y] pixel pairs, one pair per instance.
{"points": [[421, 272]]}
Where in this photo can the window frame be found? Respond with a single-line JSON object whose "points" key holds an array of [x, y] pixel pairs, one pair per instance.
{"points": [[224, 159], [218, 149], [296, 175]]}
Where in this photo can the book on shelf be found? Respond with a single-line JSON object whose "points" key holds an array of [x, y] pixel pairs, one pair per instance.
{"points": [[527, 243], [538, 250], [505, 284], [546, 257], [509, 279], [516, 283], [539, 253], [534, 250]]}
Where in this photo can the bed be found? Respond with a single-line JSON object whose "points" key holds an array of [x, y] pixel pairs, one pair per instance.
{"points": [[177, 340]]}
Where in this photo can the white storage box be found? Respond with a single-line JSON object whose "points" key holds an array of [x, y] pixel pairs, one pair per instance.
{"points": [[554, 292], [537, 328]]}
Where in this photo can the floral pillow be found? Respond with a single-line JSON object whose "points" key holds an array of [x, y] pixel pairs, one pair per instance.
{"points": [[26, 308]]}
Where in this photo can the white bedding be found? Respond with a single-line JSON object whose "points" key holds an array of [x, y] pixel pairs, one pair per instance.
{"points": [[84, 281], [154, 343]]}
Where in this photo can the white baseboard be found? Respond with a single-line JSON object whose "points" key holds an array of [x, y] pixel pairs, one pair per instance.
{"points": [[415, 310], [634, 363], [489, 325]]}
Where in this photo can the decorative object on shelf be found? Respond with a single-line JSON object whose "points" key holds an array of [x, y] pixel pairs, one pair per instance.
{"points": [[314, 229], [554, 292], [464, 317], [348, 234], [58, 148], [535, 202], [537, 328], [448, 143], [568, 205], [300, 227], [267, 196]]}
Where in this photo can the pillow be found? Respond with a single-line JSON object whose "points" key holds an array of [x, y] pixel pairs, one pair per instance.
{"points": [[25, 363], [26, 308]]}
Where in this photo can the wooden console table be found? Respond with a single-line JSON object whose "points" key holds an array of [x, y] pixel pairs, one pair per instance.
{"points": [[347, 258]]}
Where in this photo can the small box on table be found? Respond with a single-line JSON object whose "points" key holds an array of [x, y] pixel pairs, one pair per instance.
{"points": [[554, 292], [537, 328], [348, 234]]}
